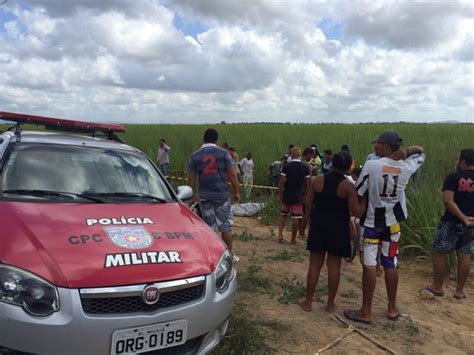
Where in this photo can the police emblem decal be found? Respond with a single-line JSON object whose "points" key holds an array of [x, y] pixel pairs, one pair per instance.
{"points": [[136, 237]]}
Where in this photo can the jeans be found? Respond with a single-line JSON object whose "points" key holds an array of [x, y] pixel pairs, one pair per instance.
{"points": [[165, 169]]}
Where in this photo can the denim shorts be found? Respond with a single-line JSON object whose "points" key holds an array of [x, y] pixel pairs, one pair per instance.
{"points": [[453, 236], [217, 214]]}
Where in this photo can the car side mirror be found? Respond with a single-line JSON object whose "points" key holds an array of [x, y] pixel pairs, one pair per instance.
{"points": [[184, 192]]}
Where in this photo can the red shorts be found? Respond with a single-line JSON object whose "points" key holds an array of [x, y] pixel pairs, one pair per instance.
{"points": [[295, 209]]}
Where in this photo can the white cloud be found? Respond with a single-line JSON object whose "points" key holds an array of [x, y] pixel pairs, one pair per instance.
{"points": [[242, 60], [408, 24]]}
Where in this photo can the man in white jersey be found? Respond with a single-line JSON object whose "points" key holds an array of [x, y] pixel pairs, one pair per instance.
{"points": [[384, 181]]}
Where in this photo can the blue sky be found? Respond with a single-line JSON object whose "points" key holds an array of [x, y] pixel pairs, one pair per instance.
{"points": [[5, 16], [331, 29], [190, 29]]}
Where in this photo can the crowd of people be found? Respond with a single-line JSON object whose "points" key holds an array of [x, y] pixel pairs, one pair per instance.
{"points": [[341, 201]]}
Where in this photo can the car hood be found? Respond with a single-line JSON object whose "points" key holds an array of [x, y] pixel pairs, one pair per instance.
{"points": [[94, 245]]}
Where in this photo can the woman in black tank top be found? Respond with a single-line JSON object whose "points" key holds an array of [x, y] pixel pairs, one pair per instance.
{"points": [[328, 202]]}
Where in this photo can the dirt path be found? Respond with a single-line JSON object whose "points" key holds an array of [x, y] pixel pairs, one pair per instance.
{"points": [[271, 274]]}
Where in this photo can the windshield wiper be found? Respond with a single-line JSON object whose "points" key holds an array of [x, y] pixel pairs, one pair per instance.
{"points": [[50, 193], [127, 194]]}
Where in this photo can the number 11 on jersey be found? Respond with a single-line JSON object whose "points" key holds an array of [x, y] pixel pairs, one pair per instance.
{"points": [[386, 178]]}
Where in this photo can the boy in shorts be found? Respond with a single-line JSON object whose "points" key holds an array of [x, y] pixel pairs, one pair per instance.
{"points": [[294, 182]]}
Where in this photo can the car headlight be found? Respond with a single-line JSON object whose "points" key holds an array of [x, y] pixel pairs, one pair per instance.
{"points": [[224, 272], [24, 289]]}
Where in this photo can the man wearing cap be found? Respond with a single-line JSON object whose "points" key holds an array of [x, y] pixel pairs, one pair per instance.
{"points": [[384, 181]]}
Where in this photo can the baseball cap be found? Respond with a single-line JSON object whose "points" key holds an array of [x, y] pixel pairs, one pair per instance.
{"points": [[389, 137]]}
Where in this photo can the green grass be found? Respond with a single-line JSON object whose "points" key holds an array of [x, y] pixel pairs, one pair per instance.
{"points": [[294, 289], [286, 255], [245, 236], [405, 324], [269, 142], [291, 290], [271, 211], [245, 334], [252, 280]]}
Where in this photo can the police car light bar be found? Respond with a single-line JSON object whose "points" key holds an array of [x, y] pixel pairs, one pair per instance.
{"points": [[61, 124]]}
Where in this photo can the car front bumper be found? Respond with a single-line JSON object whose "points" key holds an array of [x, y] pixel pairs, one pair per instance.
{"points": [[72, 331]]}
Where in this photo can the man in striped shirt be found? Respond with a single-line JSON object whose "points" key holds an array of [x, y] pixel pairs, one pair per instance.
{"points": [[214, 167], [384, 181]]}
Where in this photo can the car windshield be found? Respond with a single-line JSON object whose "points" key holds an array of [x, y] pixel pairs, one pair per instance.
{"points": [[59, 172]]}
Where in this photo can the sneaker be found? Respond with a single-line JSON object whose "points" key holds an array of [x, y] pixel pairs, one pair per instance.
{"points": [[235, 258]]}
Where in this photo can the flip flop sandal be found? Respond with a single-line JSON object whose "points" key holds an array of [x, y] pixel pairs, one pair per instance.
{"points": [[459, 297], [433, 292], [352, 315]]}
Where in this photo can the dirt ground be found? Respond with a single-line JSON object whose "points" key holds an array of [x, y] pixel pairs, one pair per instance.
{"points": [[439, 326]]}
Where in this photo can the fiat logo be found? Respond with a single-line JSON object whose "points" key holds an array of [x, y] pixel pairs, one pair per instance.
{"points": [[150, 294]]}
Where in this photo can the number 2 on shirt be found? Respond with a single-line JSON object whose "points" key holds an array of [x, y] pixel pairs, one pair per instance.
{"points": [[210, 162]]}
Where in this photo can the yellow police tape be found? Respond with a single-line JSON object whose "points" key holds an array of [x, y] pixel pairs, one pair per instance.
{"points": [[256, 186]]}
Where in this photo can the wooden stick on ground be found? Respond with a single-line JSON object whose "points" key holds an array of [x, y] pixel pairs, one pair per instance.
{"points": [[335, 341], [343, 323]]}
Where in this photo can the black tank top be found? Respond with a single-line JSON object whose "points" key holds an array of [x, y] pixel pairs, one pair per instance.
{"points": [[326, 203]]}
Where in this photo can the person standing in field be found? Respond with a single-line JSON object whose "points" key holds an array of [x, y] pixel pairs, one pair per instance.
{"points": [[316, 161], [287, 155], [355, 223], [345, 148], [231, 151], [246, 167], [308, 154], [294, 181], [376, 154], [163, 157], [384, 180], [327, 161], [235, 157], [455, 230], [328, 202], [274, 172], [214, 167]]}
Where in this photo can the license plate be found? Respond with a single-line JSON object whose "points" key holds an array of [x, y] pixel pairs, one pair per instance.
{"points": [[151, 337]]}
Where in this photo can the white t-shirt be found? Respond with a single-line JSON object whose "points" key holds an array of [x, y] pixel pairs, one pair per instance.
{"points": [[247, 166], [163, 154], [385, 181]]}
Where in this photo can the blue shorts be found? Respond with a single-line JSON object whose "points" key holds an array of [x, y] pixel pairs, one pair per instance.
{"points": [[383, 242], [450, 236], [217, 214]]}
